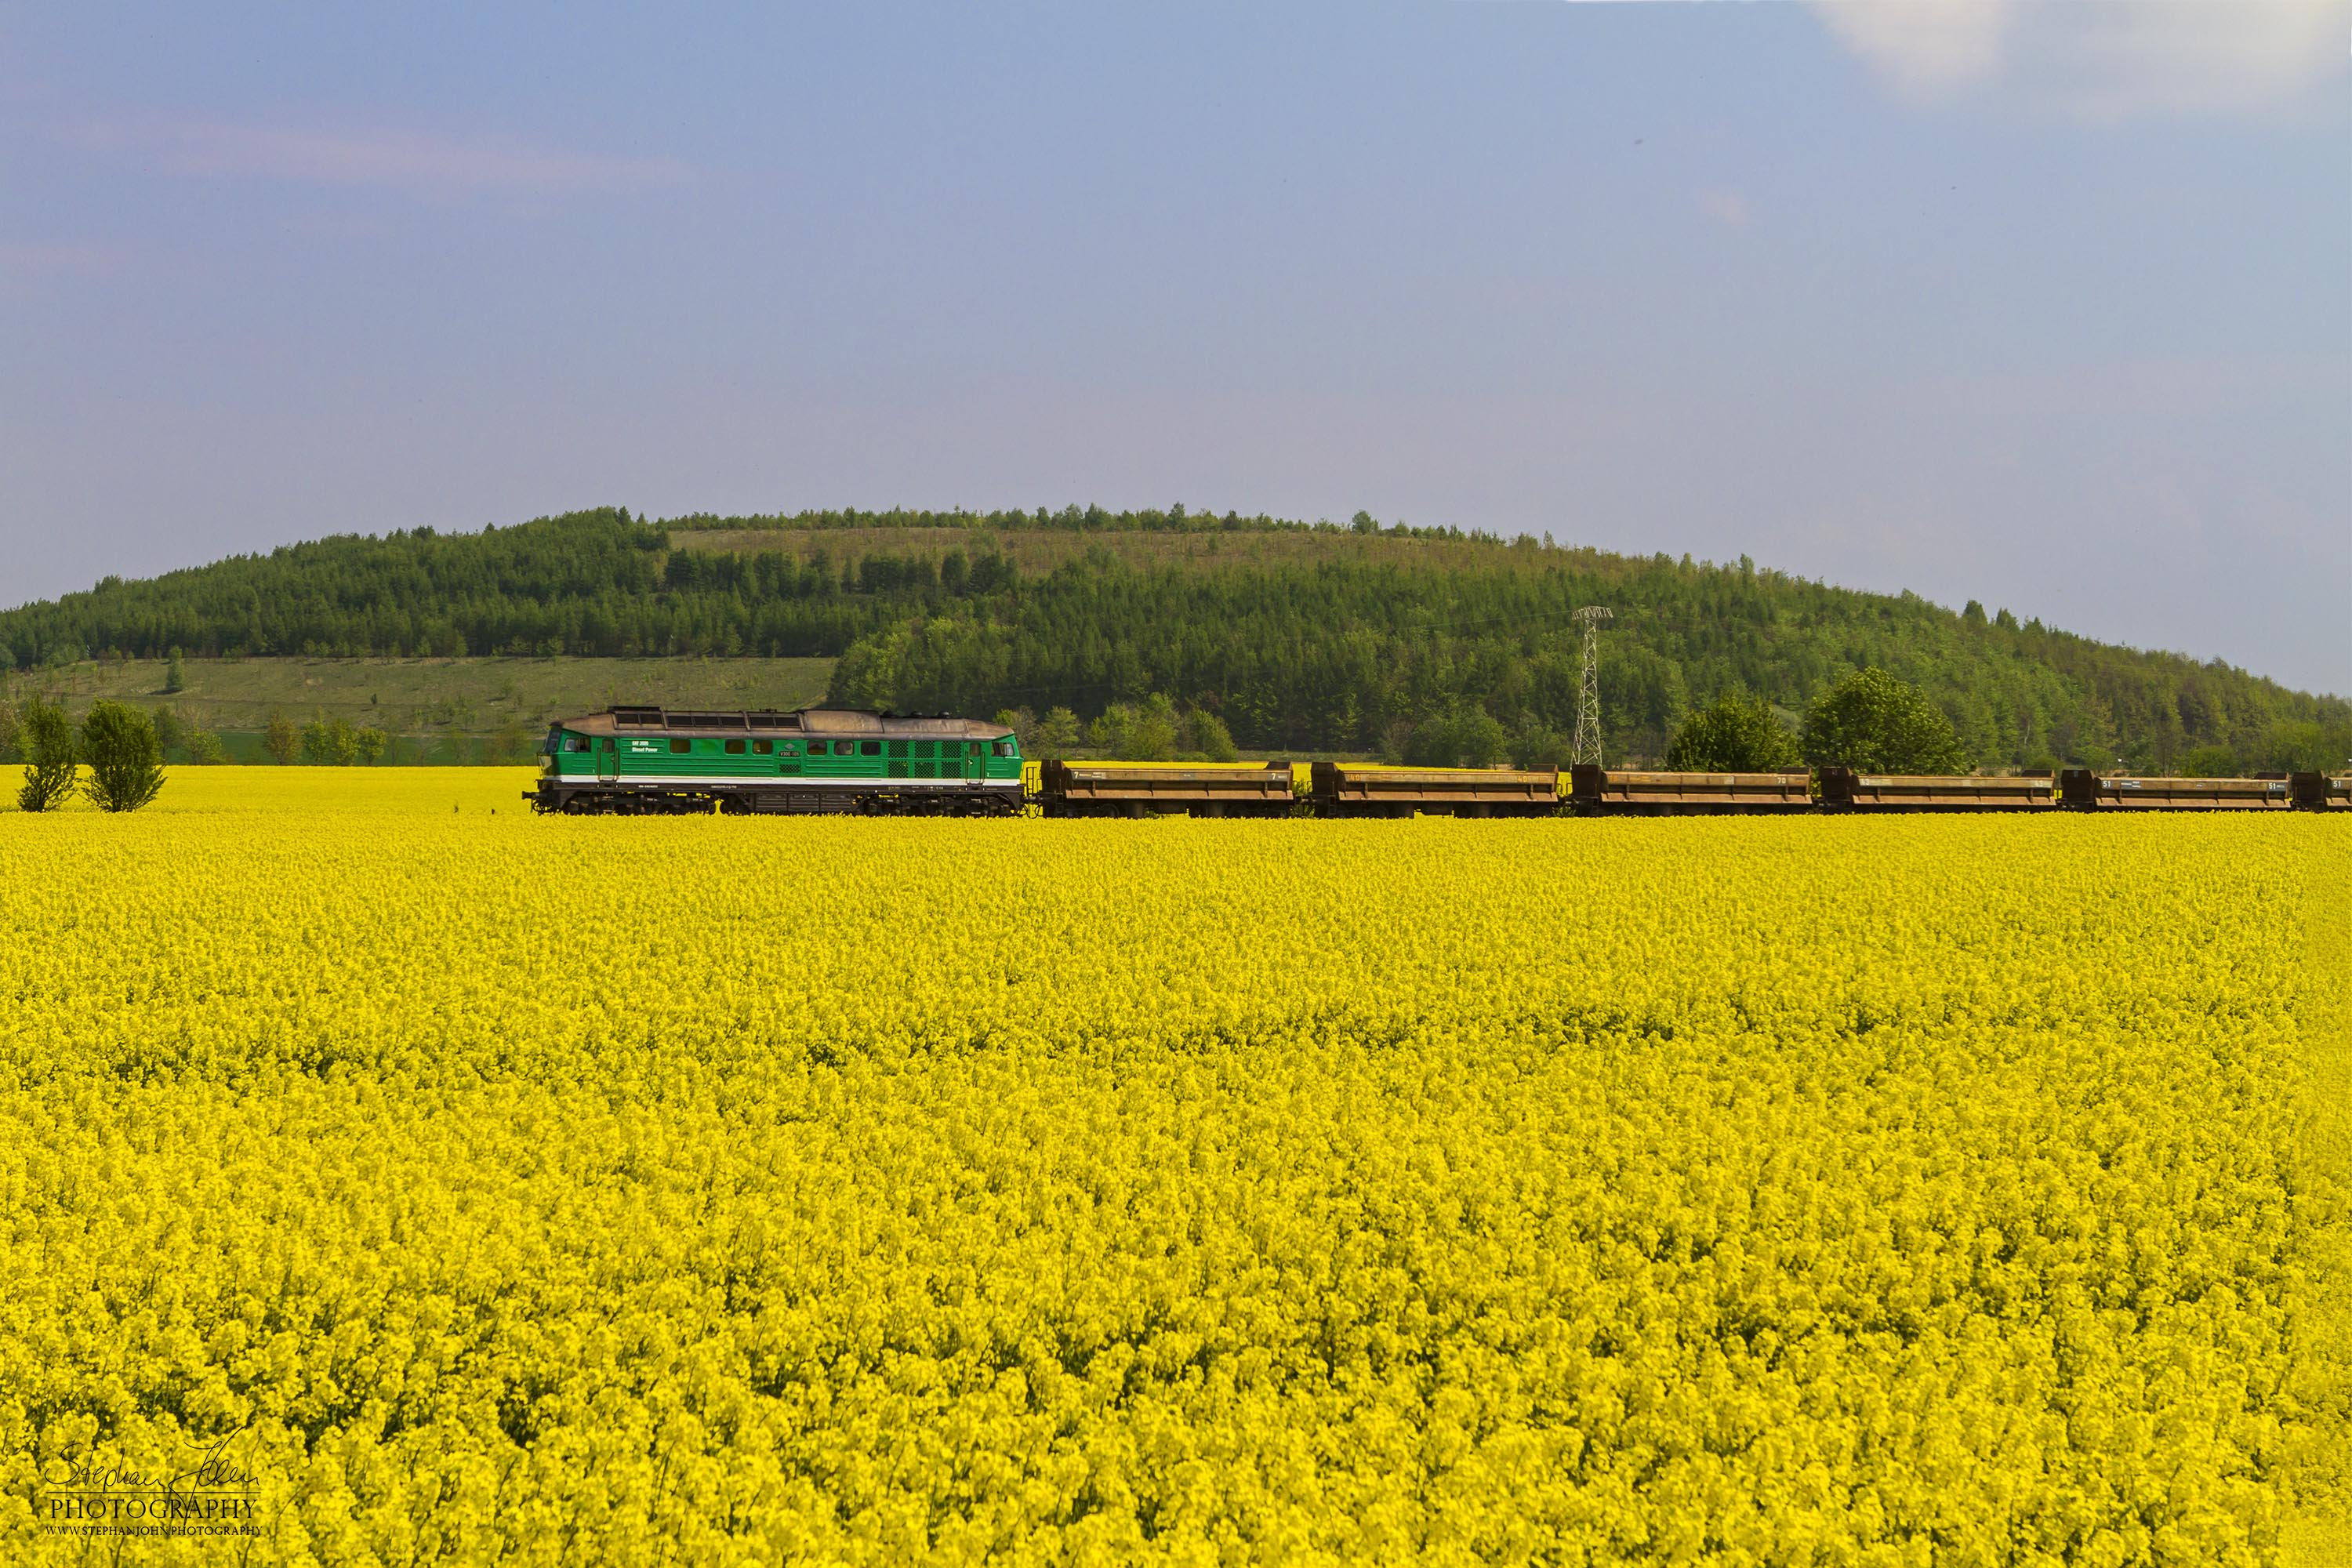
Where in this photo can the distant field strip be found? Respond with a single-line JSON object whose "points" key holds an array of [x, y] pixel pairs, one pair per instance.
{"points": [[727, 1191], [466, 695]]}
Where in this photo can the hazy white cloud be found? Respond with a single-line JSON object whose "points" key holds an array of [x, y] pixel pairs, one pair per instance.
{"points": [[1728, 208], [1924, 46], [419, 162], [2104, 59]]}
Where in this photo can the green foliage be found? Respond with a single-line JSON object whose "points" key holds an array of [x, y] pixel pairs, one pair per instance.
{"points": [[2305, 748], [1468, 737], [280, 739], [175, 673], [2209, 762], [1537, 745], [204, 748], [1140, 733], [171, 731], [126, 763], [370, 742], [330, 743], [510, 743], [10, 725], [1154, 730], [1876, 723], [1201, 734], [1058, 733], [1733, 734], [45, 736]]}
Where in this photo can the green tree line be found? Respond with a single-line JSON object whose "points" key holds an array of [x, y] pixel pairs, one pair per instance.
{"points": [[1337, 653], [1423, 667]]}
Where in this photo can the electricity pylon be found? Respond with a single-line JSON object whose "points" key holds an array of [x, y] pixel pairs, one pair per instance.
{"points": [[1587, 746]]}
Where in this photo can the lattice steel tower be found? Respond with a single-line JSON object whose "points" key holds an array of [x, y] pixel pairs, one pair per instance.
{"points": [[1587, 748]]}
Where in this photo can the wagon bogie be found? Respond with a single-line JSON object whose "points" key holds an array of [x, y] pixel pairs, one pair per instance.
{"points": [[2320, 792]]}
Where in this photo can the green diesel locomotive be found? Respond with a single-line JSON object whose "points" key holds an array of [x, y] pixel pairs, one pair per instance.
{"points": [[647, 760]]}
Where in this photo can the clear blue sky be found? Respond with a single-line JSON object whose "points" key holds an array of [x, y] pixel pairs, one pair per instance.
{"points": [[2049, 306]]}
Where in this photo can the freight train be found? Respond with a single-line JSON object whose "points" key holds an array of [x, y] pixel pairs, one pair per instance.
{"points": [[656, 761]]}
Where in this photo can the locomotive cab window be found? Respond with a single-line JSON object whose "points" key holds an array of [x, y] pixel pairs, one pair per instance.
{"points": [[681, 746], [1004, 748], [734, 748], [762, 748], [576, 742]]}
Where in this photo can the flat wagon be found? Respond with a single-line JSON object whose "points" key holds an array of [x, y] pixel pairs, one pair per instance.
{"points": [[1135, 789], [1366, 789], [1846, 789], [1619, 792], [2088, 791]]}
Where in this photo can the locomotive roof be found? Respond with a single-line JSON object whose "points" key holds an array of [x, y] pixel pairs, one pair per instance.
{"points": [[772, 722]]}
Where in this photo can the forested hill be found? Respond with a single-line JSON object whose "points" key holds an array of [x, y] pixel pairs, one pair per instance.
{"points": [[1301, 636]]}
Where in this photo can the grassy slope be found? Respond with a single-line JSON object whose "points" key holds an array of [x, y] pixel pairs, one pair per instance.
{"points": [[446, 708]]}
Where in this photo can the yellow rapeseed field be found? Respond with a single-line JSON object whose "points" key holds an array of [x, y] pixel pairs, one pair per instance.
{"points": [[725, 1191]]}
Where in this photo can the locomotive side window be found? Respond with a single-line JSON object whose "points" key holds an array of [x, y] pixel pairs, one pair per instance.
{"points": [[869, 748], [816, 748], [762, 748], [734, 748], [681, 745]]}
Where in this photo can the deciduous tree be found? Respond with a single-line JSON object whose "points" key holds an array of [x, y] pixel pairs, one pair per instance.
{"points": [[280, 739], [126, 763], [1873, 722], [47, 739], [1737, 733]]}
